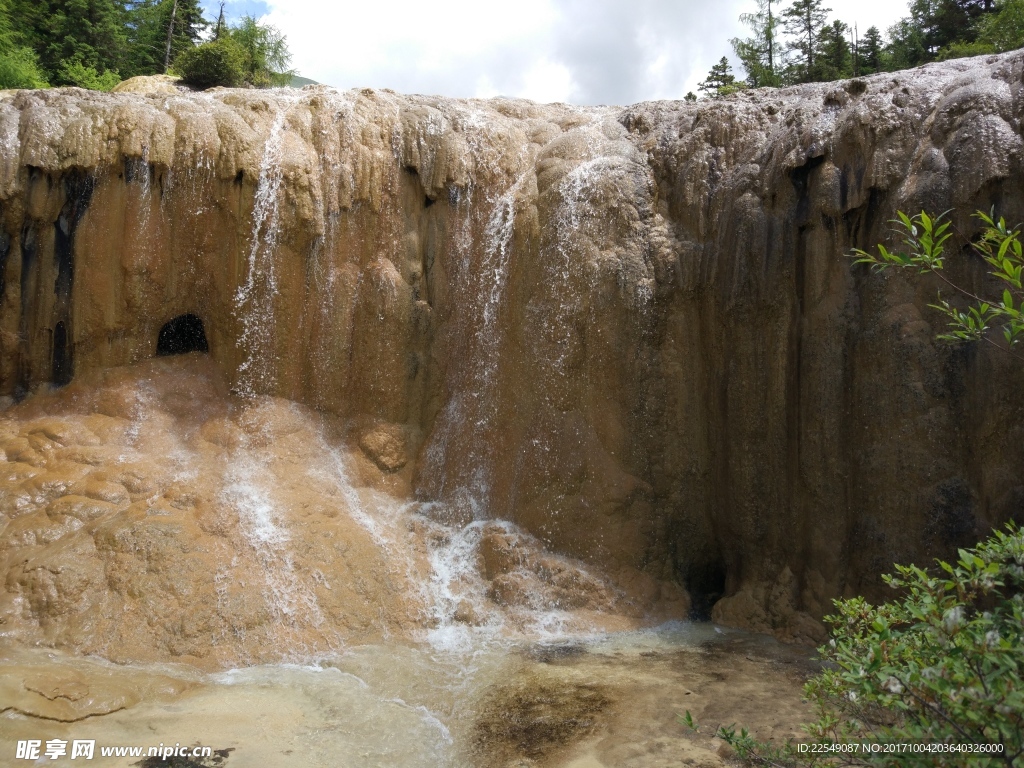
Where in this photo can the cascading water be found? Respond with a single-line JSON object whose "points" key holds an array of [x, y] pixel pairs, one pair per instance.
{"points": [[254, 299], [247, 492], [468, 416]]}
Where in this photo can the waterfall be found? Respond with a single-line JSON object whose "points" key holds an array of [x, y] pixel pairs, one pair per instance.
{"points": [[254, 299], [468, 416]]}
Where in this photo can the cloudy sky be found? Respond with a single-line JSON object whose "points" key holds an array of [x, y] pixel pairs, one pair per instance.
{"points": [[577, 51]]}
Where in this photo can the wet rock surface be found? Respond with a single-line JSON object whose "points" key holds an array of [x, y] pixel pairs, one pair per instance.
{"points": [[582, 704], [631, 332], [533, 717], [151, 516]]}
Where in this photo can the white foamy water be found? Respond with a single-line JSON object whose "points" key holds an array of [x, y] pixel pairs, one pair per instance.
{"points": [[254, 299], [250, 490], [456, 584]]}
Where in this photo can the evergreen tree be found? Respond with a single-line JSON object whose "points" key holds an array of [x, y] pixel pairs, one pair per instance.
{"points": [[760, 52], [835, 60], [803, 21], [869, 52], [265, 53], [150, 29], [19, 67], [67, 33], [719, 77], [936, 25], [906, 46]]}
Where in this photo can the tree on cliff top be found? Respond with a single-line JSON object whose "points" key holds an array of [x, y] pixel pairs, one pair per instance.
{"points": [[835, 59], [803, 21], [869, 52], [265, 53], [760, 52], [72, 36], [250, 53], [19, 65], [719, 80], [159, 31]]}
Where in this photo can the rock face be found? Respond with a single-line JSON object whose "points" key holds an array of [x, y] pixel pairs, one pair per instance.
{"points": [[633, 332]]}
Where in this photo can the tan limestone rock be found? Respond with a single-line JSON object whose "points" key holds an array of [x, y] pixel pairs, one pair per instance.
{"points": [[632, 331], [149, 85], [385, 444]]}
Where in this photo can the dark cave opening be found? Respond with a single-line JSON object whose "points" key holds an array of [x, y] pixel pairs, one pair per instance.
{"points": [[706, 584], [183, 334]]}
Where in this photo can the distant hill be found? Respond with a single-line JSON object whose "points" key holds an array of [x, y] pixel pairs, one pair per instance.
{"points": [[298, 82]]}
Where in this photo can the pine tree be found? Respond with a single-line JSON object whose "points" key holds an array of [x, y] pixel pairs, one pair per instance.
{"points": [[89, 34], [265, 53], [759, 52], [906, 46], [150, 30], [184, 23], [803, 21], [869, 52], [719, 77], [834, 57], [19, 67]]}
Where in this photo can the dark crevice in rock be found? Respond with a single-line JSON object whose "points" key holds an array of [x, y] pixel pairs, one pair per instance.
{"points": [[62, 368], [182, 335], [78, 188], [801, 178], [5, 249], [29, 260]]}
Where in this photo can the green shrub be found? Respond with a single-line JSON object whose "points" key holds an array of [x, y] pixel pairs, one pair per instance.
{"points": [[76, 73], [211, 64], [943, 665], [960, 50], [19, 68]]}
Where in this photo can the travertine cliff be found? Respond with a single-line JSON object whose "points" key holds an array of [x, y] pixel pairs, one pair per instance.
{"points": [[634, 332]]}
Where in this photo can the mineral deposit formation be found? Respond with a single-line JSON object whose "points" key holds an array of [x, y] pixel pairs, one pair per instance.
{"points": [[632, 333]]}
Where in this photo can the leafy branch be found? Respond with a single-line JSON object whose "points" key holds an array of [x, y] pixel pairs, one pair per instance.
{"points": [[923, 241]]}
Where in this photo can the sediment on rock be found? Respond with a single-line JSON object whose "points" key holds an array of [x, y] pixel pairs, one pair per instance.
{"points": [[634, 332]]}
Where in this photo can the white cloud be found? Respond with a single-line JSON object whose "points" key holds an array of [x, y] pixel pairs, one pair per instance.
{"points": [[584, 51], [548, 81]]}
